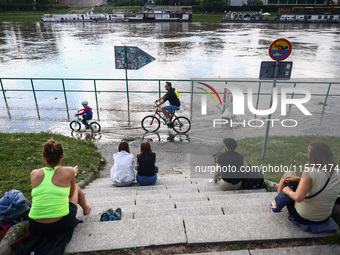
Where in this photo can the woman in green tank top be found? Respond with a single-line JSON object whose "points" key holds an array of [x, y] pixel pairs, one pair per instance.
{"points": [[55, 194]]}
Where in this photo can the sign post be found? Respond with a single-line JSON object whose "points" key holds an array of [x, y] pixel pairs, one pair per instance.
{"points": [[126, 76], [132, 58], [279, 50]]}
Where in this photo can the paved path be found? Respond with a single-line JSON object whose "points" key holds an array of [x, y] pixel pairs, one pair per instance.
{"points": [[179, 210]]}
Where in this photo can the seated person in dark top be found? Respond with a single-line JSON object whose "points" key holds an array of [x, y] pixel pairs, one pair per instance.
{"points": [[230, 162], [146, 170]]}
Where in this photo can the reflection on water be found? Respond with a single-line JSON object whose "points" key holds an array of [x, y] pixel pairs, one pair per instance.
{"points": [[182, 50], [86, 136], [8, 111], [26, 41], [147, 136]]}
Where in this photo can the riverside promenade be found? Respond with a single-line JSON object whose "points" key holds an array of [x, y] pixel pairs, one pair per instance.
{"points": [[182, 211]]}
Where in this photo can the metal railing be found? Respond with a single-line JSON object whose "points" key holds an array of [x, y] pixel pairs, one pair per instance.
{"points": [[128, 91]]}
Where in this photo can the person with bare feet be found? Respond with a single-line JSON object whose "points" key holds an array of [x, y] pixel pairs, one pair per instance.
{"points": [[55, 194]]}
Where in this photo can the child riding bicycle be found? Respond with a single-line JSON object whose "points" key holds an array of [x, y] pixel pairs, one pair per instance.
{"points": [[87, 114]]}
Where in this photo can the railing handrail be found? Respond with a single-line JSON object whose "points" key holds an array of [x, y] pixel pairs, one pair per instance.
{"points": [[180, 80], [159, 90]]}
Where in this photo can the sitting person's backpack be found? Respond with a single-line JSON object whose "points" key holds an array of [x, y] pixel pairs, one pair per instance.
{"points": [[14, 208], [253, 179]]}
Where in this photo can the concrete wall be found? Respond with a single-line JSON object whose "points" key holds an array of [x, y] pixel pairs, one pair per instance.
{"points": [[82, 3], [237, 2]]}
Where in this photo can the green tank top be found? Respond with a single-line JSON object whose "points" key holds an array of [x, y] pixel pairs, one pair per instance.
{"points": [[49, 200]]}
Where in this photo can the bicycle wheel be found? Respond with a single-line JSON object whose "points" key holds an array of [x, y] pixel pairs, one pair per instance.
{"points": [[95, 127], [75, 125], [181, 125], [151, 123]]}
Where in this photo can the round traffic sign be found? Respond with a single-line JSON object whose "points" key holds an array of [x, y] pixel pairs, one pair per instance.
{"points": [[280, 49]]}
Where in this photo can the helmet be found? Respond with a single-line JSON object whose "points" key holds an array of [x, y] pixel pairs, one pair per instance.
{"points": [[85, 102]]}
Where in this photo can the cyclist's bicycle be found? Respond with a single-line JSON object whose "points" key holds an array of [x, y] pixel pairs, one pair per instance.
{"points": [[180, 124], [75, 125]]}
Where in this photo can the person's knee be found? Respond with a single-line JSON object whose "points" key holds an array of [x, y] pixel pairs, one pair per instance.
{"points": [[289, 174], [74, 198]]}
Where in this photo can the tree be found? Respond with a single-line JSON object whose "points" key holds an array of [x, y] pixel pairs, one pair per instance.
{"points": [[213, 5]]}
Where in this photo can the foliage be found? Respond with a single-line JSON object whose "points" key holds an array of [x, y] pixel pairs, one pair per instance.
{"points": [[130, 3], [177, 2], [213, 5], [29, 5]]}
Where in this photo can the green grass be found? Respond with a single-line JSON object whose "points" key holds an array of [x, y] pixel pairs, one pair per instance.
{"points": [[207, 18], [286, 151], [21, 153], [334, 239], [20, 16]]}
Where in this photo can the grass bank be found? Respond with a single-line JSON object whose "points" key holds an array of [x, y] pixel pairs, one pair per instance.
{"points": [[21, 153], [212, 18], [20, 16], [287, 151]]}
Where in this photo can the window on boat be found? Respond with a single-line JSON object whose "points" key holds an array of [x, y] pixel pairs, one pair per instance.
{"points": [[331, 17], [319, 17], [325, 17]]}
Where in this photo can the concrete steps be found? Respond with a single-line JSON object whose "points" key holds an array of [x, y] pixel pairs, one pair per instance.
{"points": [[310, 250], [178, 210], [96, 236]]}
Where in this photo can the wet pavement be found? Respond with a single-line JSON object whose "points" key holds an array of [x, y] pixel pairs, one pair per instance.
{"points": [[182, 51]]}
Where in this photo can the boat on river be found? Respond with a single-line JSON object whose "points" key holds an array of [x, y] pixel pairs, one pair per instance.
{"points": [[287, 15], [180, 14]]}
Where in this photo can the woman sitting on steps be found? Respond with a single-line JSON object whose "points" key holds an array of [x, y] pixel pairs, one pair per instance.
{"points": [[310, 199], [55, 194]]}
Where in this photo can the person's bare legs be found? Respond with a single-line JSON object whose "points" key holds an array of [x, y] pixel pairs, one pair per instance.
{"points": [[165, 113], [79, 198], [282, 184]]}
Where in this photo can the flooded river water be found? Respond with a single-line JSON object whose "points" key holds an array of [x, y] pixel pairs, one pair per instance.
{"points": [[182, 51]]}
